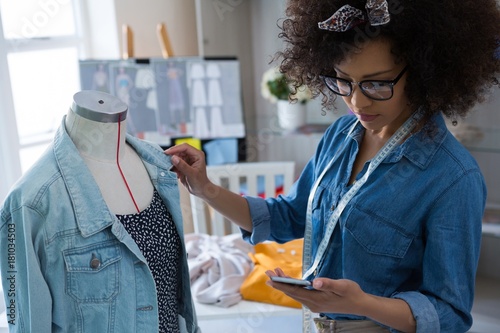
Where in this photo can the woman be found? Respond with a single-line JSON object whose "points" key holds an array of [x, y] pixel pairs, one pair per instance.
{"points": [[391, 204]]}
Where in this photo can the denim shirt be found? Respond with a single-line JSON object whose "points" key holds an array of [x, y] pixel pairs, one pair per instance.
{"points": [[412, 232], [68, 264]]}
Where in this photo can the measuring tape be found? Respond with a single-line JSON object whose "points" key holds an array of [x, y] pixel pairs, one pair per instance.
{"points": [[307, 268]]}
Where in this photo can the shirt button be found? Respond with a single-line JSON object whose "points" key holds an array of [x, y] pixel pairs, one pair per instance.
{"points": [[162, 174]]}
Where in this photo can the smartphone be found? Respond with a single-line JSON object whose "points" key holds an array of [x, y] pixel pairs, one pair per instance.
{"points": [[298, 282]]}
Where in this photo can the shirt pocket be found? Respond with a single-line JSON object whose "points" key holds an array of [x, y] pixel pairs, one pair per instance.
{"points": [[93, 272], [377, 235]]}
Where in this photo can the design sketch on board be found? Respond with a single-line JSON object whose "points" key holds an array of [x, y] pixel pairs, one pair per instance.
{"points": [[215, 89], [173, 98], [135, 85], [94, 75], [123, 85], [215, 101], [174, 118], [199, 101], [178, 108], [100, 79]]}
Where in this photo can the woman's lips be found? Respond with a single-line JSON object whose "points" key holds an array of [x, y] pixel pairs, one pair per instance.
{"points": [[366, 117]]}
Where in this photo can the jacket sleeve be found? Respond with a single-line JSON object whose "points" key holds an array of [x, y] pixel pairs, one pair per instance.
{"points": [[27, 296]]}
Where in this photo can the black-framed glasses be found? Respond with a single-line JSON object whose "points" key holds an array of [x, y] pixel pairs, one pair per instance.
{"points": [[379, 90]]}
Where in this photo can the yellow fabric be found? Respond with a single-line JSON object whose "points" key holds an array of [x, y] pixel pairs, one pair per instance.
{"points": [[268, 256], [190, 141]]}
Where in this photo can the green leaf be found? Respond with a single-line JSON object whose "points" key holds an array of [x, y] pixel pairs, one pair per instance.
{"points": [[279, 88]]}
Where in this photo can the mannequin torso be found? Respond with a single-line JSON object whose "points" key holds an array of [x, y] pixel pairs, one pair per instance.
{"points": [[96, 124]]}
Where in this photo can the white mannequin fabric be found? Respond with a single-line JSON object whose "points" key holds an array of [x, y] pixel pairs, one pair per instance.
{"points": [[96, 124]]}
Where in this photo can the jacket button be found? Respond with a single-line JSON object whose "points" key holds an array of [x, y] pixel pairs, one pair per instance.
{"points": [[95, 263]]}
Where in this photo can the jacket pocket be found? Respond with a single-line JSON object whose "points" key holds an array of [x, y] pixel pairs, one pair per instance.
{"points": [[93, 272]]}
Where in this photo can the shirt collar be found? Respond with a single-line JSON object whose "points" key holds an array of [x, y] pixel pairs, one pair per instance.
{"points": [[419, 148], [423, 145]]}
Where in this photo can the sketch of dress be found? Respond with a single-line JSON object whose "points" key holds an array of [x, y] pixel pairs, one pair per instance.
{"points": [[100, 79], [123, 84], [145, 108], [145, 79], [214, 88], [215, 100], [178, 111], [199, 101]]}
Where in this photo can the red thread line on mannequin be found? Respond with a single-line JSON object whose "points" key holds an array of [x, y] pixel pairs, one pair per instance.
{"points": [[120, 168]]}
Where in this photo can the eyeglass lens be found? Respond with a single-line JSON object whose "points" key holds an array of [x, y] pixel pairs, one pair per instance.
{"points": [[373, 89]]}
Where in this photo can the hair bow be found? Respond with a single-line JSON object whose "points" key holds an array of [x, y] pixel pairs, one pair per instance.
{"points": [[347, 17]]}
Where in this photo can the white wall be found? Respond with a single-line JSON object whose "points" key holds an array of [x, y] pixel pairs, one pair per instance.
{"points": [[99, 29], [487, 117], [226, 29], [179, 17], [265, 15], [104, 20]]}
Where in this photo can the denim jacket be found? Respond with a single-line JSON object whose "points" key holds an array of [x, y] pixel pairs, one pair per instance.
{"points": [[412, 231], [67, 264]]}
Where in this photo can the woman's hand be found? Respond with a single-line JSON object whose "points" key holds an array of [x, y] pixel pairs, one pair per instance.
{"points": [[346, 296], [328, 296], [189, 164]]}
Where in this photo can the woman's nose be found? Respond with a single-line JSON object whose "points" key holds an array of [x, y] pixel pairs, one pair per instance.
{"points": [[358, 99]]}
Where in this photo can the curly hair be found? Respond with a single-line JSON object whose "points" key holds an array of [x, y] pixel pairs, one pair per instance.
{"points": [[449, 47]]}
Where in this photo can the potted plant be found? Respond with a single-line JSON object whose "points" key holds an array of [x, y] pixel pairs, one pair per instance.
{"points": [[291, 108]]}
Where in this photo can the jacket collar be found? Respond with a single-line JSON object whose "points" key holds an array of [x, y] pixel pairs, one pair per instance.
{"points": [[91, 211]]}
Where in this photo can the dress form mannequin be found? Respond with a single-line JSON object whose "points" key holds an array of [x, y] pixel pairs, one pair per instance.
{"points": [[96, 124]]}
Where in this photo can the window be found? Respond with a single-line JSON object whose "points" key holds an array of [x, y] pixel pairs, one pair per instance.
{"points": [[39, 50]]}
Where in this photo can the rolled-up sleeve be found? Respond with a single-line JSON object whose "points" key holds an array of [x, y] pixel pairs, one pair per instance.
{"points": [[260, 218], [423, 310]]}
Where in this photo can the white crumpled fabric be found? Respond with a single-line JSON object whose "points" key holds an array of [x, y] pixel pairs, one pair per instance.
{"points": [[217, 267]]}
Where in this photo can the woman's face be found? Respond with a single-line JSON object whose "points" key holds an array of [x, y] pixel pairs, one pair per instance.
{"points": [[376, 62]]}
